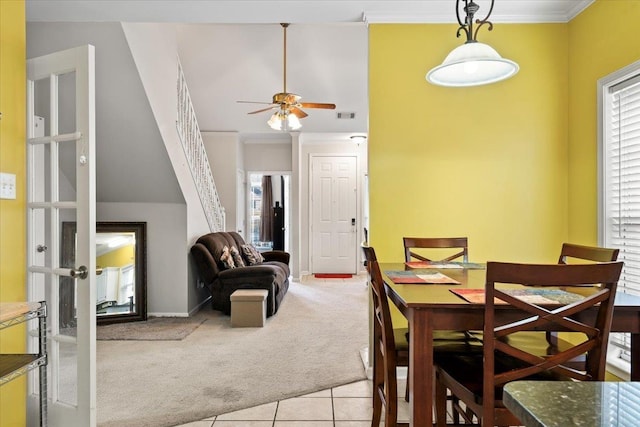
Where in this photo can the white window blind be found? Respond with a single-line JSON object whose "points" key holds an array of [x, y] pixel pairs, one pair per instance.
{"points": [[621, 108], [620, 404]]}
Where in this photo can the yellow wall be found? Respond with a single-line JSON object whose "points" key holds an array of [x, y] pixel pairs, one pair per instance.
{"points": [[12, 212], [602, 39], [511, 165], [487, 162], [117, 258]]}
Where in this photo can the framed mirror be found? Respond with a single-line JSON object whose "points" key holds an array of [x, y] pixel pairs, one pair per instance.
{"points": [[121, 276]]}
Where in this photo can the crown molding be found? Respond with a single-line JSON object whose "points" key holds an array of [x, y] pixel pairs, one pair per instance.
{"points": [[578, 8], [300, 11], [506, 12]]}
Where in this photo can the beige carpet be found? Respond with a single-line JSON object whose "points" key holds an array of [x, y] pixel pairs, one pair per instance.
{"points": [[312, 343], [153, 329]]}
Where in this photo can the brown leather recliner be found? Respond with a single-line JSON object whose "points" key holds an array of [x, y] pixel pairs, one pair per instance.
{"points": [[272, 274]]}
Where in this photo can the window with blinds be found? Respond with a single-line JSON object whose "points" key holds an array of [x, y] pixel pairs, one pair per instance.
{"points": [[620, 224], [620, 404]]}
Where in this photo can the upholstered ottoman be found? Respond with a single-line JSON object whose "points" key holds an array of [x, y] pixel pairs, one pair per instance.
{"points": [[248, 308]]}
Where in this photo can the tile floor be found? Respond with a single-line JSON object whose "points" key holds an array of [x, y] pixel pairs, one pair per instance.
{"points": [[345, 406]]}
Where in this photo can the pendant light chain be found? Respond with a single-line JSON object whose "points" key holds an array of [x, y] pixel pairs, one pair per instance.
{"points": [[470, 8], [473, 63]]}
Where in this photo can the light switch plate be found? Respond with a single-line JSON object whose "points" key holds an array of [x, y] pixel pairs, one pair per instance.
{"points": [[7, 186]]}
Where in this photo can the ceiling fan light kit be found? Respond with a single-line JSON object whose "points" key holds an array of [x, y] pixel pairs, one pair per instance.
{"points": [[287, 105], [281, 120], [473, 63]]}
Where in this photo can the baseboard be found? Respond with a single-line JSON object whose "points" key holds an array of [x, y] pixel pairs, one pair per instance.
{"points": [[188, 314], [163, 314], [401, 371], [364, 355], [199, 306]]}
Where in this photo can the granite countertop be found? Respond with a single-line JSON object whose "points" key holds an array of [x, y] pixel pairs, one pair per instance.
{"points": [[569, 403]]}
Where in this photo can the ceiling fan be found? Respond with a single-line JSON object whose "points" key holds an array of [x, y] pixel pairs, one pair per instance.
{"points": [[287, 105]]}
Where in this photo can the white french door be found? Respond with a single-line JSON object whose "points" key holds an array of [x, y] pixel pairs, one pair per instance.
{"points": [[61, 191], [334, 208]]}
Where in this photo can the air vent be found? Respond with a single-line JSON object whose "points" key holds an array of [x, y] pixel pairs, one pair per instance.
{"points": [[347, 116]]}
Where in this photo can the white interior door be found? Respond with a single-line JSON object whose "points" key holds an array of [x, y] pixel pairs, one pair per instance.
{"points": [[334, 208], [61, 191]]}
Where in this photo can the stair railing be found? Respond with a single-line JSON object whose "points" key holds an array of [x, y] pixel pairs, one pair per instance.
{"points": [[189, 133]]}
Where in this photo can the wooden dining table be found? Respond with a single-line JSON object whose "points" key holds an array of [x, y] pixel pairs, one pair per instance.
{"points": [[430, 307]]}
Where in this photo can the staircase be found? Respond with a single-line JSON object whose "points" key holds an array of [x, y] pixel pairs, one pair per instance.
{"points": [[194, 151]]}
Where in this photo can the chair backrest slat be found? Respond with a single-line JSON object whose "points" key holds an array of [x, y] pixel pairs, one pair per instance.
{"points": [[435, 243], [586, 253]]}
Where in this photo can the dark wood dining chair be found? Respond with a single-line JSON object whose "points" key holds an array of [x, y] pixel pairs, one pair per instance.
{"points": [[413, 244], [571, 252], [417, 248], [478, 380], [390, 348], [548, 343]]}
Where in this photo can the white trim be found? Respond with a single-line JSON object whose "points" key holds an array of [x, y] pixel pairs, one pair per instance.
{"points": [[162, 314], [300, 11], [578, 8], [443, 12], [288, 204], [615, 364], [603, 86]]}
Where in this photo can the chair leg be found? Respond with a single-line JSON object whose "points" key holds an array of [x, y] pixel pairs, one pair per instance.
{"points": [[390, 413], [406, 389], [441, 404], [455, 415], [377, 407]]}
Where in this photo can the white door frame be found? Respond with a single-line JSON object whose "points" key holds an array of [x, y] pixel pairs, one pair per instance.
{"points": [[241, 203], [287, 224], [43, 207]]}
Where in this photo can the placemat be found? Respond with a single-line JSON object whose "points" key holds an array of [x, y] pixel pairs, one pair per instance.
{"points": [[412, 277]]}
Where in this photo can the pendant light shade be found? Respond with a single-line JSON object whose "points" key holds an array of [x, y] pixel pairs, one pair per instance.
{"points": [[473, 63]]}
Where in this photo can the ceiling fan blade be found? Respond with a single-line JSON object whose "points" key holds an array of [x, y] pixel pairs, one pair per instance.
{"points": [[264, 109], [318, 105], [253, 102], [298, 112]]}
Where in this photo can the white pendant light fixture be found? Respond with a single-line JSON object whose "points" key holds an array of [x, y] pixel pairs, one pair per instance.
{"points": [[473, 63]]}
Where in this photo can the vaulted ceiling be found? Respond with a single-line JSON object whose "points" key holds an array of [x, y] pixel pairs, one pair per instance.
{"points": [[233, 50]]}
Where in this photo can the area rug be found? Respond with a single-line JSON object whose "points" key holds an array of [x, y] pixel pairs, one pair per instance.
{"points": [[312, 343], [153, 329]]}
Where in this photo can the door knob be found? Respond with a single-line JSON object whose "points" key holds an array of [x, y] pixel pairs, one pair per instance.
{"points": [[79, 273]]}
